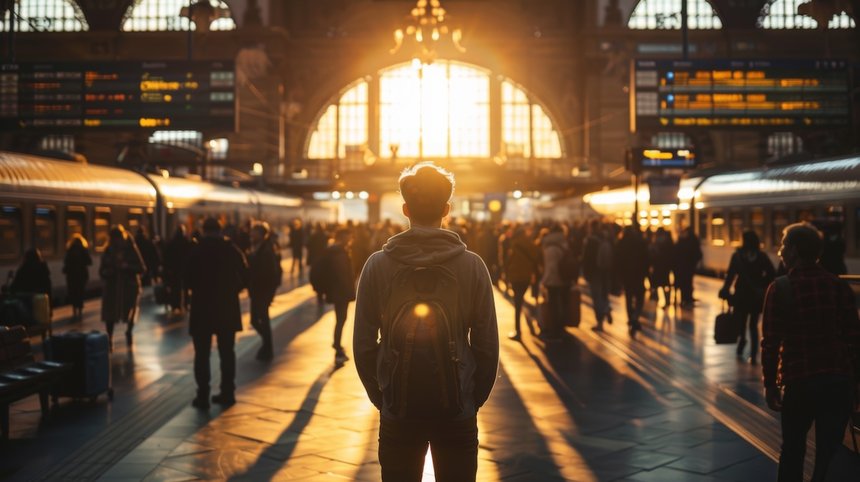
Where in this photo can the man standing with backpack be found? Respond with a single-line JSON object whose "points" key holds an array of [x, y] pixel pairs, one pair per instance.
{"points": [[426, 341]]}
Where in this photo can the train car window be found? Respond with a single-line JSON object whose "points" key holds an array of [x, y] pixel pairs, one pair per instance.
{"points": [[780, 221], [10, 233], [807, 215], [45, 230], [703, 224], [718, 229], [101, 229], [135, 220], [76, 220], [736, 228], [757, 222]]}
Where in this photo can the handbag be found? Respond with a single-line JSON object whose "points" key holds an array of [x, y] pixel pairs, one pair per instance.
{"points": [[726, 327]]}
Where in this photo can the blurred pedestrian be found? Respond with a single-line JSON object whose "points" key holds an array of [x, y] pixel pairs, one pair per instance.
{"points": [[317, 243], [597, 270], [661, 252], [631, 262], [33, 275], [264, 263], [811, 349], [151, 256], [751, 271], [688, 253], [833, 250], [120, 270], [338, 285], [76, 267], [297, 247], [554, 246], [217, 273], [522, 265], [176, 253]]}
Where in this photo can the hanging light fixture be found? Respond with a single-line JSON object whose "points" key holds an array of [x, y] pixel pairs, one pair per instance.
{"points": [[425, 31]]}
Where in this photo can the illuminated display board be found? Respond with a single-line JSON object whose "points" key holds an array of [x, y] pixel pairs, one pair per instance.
{"points": [[739, 94], [197, 95], [650, 158]]}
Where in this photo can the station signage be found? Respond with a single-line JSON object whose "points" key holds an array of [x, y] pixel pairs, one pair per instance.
{"points": [[126, 95], [644, 158], [739, 94]]}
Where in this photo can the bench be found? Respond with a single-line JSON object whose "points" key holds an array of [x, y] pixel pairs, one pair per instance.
{"points": [[22, 376]]}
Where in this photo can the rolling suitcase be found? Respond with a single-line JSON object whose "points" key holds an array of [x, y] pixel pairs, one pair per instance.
{"points": [[90, 357], [726, 328]]}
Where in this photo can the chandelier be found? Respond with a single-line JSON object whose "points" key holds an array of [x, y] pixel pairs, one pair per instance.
{"points": [[426, 31]]}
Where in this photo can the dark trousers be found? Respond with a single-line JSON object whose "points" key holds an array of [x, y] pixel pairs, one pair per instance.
{"points": [[825, 400], [403, 446], [558, 298], [634, 299], [261, 322], [684, 283], [340, 309], [227, 356], [748, 322], [520, 288]]}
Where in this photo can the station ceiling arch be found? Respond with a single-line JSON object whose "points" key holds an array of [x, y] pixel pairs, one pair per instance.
{"points": [[167, 15], [45, 16], [666, 15], [445, 110]]}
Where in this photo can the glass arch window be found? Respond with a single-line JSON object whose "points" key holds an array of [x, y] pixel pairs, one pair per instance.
{"points": [[46, 16], [343, 126], [161, 15], [439, 111], [666, 15], [782, 14]]}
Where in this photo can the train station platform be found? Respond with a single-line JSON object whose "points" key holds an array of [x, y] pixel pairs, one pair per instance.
{"points": [[667, 406]]}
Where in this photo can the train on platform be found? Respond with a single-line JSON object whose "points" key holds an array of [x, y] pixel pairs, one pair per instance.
{"points": [[44, 202], [722, 205]]}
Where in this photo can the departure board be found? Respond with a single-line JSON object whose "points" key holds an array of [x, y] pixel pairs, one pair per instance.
{"points": [[128, 95], [740, 94]]}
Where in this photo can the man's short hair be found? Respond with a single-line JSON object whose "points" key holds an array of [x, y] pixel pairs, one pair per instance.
{"points": [[426, 188], [805, 239]]}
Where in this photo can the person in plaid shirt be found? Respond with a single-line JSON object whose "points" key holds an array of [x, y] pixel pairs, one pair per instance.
{"points": [[810, 349]]}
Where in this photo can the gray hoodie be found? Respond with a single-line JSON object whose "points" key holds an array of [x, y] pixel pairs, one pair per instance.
{"points": [[422, 246]]}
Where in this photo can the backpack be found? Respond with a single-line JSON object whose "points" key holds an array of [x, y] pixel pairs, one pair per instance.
{"points": [[568, 266], [423, 339]]}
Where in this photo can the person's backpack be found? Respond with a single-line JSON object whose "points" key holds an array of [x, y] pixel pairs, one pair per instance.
{"points": [[423, 343], [568, 266]]}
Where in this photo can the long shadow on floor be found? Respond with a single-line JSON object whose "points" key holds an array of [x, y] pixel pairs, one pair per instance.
{"points": [[282, 450]]}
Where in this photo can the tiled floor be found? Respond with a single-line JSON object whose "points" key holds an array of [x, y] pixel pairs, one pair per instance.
{"points": [[593, 407]]}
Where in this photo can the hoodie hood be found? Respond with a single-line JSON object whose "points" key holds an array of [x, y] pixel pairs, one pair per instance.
{"points": [[422, 246]]}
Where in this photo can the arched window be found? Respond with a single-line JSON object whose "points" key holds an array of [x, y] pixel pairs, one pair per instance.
{"points": [[160, 15], [666, 15], [46, 16], [439, 111], [782, 14]]}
